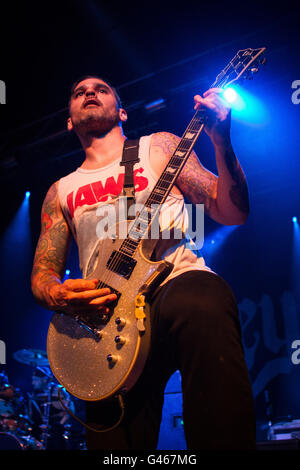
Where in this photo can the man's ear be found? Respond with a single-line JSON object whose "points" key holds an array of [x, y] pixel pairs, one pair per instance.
{"points": [[123, 115], [69, 124]]}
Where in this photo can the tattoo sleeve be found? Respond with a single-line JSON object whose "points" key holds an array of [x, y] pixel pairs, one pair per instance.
{"points": [[232, 202], [225, 197], [196, 183], [239, 189], [52, 249]]}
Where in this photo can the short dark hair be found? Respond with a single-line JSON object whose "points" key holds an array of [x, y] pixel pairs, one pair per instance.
{"points": [[84, 77]]}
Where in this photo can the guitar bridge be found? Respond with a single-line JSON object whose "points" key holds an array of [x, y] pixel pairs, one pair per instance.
{"points": [[93, 324]]}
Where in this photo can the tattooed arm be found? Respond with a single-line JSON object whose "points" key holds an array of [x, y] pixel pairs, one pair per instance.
{"points": [[73, 295], [231, 205], [51, 251], [225, 197], [197, 183]]}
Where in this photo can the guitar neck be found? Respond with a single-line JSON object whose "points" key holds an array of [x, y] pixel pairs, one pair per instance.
{"points": [[163, 185], [173, 168], [245, 63]]}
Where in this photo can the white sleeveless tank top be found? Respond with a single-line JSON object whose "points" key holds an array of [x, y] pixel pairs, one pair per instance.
{"points": [[84, 193]]}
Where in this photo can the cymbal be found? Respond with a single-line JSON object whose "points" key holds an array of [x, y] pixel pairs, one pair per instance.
{"points": [[32, 357]]}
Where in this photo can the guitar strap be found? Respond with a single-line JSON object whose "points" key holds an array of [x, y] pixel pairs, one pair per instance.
{"points": [[129, 158]]}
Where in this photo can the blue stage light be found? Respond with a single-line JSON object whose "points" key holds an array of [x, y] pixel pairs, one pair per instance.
{"points": [[295, 220], [67, 272], [230, 95], [27, 194], [245, 106]]}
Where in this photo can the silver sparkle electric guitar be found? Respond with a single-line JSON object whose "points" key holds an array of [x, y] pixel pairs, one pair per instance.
{"points": [[95, 360]]}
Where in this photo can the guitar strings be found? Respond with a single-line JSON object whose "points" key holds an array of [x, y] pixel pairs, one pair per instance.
{"points": [[194, 126], [117, 260]]}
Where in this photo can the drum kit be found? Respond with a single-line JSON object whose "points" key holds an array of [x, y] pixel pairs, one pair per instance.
{"points": [[37, 420]]}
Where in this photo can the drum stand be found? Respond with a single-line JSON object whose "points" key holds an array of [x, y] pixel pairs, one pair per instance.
{"points": [[45, 426], [45, 415], [38, 360]]}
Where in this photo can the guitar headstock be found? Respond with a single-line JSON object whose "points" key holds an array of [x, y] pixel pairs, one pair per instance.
{"points": [[244, 64]]}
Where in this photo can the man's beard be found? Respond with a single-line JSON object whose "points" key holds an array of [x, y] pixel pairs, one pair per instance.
{"points": [[94, 125]]}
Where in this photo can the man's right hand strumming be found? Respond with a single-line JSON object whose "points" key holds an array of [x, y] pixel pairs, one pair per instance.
{"points": [[76, 296]]}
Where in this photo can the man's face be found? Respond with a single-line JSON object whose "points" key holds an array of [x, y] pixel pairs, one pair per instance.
{"points": [[93, 109]]}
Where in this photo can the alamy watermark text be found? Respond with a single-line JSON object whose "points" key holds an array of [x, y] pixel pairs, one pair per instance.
{"points": [[2, 352], [2, 92], [296, 94]]}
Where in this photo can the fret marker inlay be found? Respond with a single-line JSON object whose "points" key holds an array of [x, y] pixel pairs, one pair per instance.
{"points": [[179, 153], [189, 135]]}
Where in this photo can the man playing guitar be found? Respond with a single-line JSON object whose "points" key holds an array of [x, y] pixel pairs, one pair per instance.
{"points": [[194, 316]]}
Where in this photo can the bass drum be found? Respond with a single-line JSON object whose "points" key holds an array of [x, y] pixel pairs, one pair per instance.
{"points": [[10, 441]]}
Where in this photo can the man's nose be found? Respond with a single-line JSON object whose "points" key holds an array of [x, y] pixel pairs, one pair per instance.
{"points": [[90, 92]]}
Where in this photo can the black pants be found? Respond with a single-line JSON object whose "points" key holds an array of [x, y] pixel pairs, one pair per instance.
{"points": [[196, 330]]}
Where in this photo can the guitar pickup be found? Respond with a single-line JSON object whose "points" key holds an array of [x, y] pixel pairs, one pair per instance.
{"points": [[121, 264]]}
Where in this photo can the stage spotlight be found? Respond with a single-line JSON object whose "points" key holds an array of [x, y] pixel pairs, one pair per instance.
{"points": [[235, 97], [155, 105], [216, 241], [295, 220], [67, 272], [16, 244], [27, 194], [245, 106], [230, 95]]}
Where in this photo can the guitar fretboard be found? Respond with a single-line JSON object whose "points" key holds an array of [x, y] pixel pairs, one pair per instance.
{"points": [[163, 186]]}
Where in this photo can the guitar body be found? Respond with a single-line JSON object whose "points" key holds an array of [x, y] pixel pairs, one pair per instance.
{"points": [[78, 357]]}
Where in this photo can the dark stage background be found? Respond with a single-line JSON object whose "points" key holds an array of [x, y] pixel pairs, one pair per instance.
{"points": [[150, 52]]}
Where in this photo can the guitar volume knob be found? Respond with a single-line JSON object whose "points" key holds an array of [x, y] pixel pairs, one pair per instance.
{"points": [[111, 358], [120, 339], [120, 321]]}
